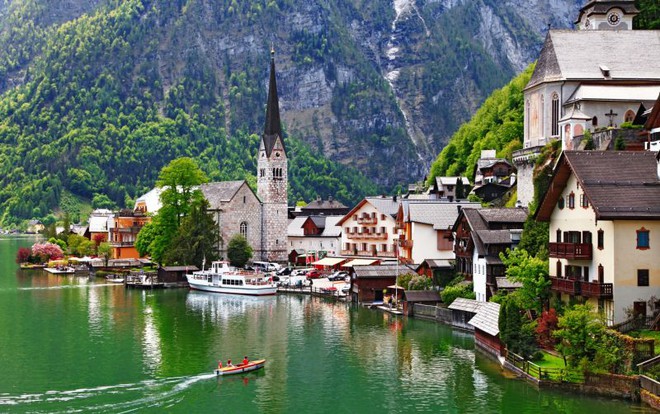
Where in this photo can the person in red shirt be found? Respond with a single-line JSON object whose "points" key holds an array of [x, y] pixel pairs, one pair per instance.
{"points": [[245, 360]]}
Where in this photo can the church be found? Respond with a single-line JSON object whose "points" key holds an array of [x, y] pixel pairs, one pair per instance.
{"points": [[262, 218], [595, 78]]}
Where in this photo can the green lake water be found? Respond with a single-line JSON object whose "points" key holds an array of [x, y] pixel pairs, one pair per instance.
{"points": [[71, 344]]}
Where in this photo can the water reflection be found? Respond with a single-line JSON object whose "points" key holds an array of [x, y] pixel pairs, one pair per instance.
{"points": [[222, 307]]}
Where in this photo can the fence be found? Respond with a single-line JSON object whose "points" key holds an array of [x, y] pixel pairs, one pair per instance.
{"points": [[543, 373], [650, 385], [648, 364], [633, 324]]}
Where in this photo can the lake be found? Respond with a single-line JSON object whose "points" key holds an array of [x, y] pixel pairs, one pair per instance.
{"points": [[71, 344]]}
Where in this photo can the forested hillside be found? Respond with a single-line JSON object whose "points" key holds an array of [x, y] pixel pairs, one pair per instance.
{"points": [[102, 128]]}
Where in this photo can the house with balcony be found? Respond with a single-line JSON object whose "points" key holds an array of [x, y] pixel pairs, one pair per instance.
{"points": [[480, 236], [123, 231], [425, 229], [604, 213], [369, 229]]}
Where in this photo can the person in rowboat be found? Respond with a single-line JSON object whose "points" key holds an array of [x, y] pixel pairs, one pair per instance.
{"points": [[245, 360], [229, 364], [219, 364]]}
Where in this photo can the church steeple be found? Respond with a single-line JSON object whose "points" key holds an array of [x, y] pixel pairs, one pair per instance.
{"points": [[607, 15], [273, 127]]}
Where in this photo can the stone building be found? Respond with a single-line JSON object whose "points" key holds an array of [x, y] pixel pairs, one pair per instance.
{"points": [[262, 217], [594, 78]]}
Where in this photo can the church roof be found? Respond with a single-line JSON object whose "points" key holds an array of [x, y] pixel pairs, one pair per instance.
{"points": [[574, 113], [273, 127], [579, 55], [603, 6], [615, 93], [221, 192]]}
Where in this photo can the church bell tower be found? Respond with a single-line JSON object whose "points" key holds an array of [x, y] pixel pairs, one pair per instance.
{"points": [[272, 181]]}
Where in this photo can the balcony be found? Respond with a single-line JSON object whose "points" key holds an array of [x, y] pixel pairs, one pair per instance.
{"points": [[367, 220], [349, 252], [570, 286], [597, 290], [386, 254], [368, 253], [571, 251]]}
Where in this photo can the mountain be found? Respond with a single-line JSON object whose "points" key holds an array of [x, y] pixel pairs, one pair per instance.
{"points": [[97, 95]]}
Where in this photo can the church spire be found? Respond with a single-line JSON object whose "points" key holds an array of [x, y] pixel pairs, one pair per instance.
{"points": [[273, 127]]}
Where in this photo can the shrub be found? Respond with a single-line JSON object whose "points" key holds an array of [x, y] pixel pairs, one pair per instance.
{"points": [[457, 291]]}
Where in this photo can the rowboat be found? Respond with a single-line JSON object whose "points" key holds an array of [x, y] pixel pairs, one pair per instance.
{"points": [[239, 369]]}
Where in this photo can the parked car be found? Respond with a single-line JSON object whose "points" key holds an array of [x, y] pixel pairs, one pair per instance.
{"points": [[300, 272], [338, 275], [283, 271], [313, 274]]}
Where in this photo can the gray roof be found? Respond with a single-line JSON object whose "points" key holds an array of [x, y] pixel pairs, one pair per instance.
{"points": [[466, 305], [421, 296], [190, 268], [384, 204], [324, 204], [220, 192], [385, 270], [441, 214], [295, 229], [495, 236], [438, 263], [487, 318], [481, 221], [504, 215], [579, 54], [506, 283]]}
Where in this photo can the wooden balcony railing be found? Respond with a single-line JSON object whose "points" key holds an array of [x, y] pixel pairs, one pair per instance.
{"points": [[571, 251], [570, 286], [596, 290], [367, 220], [386, 254]]}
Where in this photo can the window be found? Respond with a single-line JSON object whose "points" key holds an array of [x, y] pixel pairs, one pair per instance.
{"points": [[594, 121], [560, 203], [585, 273], [643, 242], [601, 274], [558, 236], [601, 239], [558, 268], [244, 229], [586, 237], [555, 114], [629, 116], [571, 200], [642, 277], [584, 201]]}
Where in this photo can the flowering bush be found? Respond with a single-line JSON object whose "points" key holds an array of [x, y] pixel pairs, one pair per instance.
{"points": [[47, 251], [23, 255]]}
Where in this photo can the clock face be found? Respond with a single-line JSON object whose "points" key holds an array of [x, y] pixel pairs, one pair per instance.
{"points": [[613, 18]]}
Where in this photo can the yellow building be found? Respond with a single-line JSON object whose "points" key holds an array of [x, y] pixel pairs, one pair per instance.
{"points": [[604, 213]]}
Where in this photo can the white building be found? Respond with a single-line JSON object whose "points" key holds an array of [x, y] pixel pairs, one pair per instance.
{"points": [[604, 214]]}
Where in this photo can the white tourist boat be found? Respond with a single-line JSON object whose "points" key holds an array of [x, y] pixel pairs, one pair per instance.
{"points": [[221, 278]]}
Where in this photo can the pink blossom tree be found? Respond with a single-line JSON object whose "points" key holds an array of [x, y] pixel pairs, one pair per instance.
{"points": [[47, 251]]}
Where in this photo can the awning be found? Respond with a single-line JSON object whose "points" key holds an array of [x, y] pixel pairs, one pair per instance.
{"points": [[360, 262], [329, 261], [397, 287]]}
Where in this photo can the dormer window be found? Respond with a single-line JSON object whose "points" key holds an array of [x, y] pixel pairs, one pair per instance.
{"points": [[571, 200]]}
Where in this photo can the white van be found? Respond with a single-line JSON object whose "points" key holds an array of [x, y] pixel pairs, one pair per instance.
{"points": [[265, 266]]}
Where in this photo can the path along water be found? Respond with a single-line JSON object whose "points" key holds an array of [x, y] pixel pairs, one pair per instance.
{"points": [[70, 344]]}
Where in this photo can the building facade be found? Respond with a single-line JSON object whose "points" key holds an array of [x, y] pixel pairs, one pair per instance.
{"points": [[604, 213]]}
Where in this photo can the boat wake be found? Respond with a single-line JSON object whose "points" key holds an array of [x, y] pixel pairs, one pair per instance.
{"points": [[121, 398]]}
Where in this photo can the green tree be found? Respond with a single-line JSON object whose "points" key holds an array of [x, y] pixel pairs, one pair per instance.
{"points": [[180, 180], [580, 332], [516, 330], [197, 238], [104, 251], [239, 251], [532, 273], [450, 293]]}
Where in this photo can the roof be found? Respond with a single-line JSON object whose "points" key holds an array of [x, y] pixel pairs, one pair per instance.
{"points": [[487, 318], [574, 113], [579, 54], [421, 296], [374, 271], [329, 261], [504, 215], [437, 263], [615, 93], [190, 268], [632, 192], [441, 214], [603, 6], [495, 236], [451, 180], [295, 227], [221, 192], [330, 227], [321, 204], [506, 283], [273, 126], [384, 204], [361, 262], [466, 305], [151, 200]]}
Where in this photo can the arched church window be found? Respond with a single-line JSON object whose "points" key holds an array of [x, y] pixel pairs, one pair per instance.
{"points": [[629, 116], [594, 121], [244, 229], [555, 114]]}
